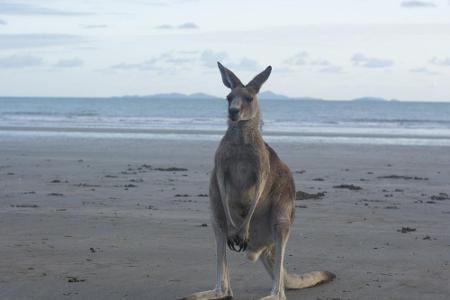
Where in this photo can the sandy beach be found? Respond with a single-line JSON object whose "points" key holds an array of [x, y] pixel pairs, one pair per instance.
{"points": [[129, 219]]}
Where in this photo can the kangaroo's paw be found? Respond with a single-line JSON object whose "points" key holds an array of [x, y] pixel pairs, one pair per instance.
{"points": [[209, 295], [238, 241]]}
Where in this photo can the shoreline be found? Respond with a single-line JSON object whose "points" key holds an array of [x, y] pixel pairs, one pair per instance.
{"points": [[215, 135]]}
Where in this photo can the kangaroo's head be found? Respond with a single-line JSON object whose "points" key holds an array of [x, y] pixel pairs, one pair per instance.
{"points": [[242, 102]]}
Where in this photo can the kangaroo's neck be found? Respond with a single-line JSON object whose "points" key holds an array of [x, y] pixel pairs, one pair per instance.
{"points": [[246, 131]]}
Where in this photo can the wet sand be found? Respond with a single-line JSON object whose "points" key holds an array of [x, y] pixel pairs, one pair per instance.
{"points": [[129, 219]]}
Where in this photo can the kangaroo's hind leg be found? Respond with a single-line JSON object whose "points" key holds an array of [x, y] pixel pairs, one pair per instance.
{"points": [[295, 281], [222, 289], [274, 254], [273, 261]]}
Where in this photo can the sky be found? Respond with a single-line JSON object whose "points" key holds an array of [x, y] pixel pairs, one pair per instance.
{"points": [[325, 49]]}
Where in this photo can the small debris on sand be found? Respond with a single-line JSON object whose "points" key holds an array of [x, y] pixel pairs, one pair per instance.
{"points": [[72, 279], [25, 206], [300, 195], [92, 250], [137, 180], [110, 176], [55, 181], [402, 177], [202, 195], [406, 229], [203, 225], [440, 197], [130, 185], [391, 207], [55, 194], [427, 238], [299, 172], [170, 169], [318, 179], [181, 195], [86, 185], [348, 186]]}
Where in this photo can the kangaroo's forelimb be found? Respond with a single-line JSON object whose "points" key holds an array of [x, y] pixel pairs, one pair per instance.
{"points": [[241, 237]]}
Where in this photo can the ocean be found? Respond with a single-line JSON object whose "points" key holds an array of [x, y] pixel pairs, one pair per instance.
{"points": [[299, 121]]}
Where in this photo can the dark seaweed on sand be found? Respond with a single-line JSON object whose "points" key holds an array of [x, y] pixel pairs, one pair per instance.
{"points": [[348, 186], [300, 195]]}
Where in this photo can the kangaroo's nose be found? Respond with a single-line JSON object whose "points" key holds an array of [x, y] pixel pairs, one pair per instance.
{"points": [[233, 111]]}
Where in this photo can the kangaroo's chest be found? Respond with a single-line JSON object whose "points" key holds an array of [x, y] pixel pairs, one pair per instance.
{"points": [[241, 166]]}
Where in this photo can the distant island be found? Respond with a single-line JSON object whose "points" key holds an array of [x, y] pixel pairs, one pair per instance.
{"points": [[266, 95]]}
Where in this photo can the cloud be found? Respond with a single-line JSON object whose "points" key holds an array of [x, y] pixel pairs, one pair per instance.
{"points": [[169, 62], [245, 64], [332, 70], [15, 41], [303, 58], [445, 62], [20, 61], [69, 63], [298, 59], [12, 8], [3, 22], [413, 4], [320, 63], [94, 26], [147, 65], [188, 25], [371, 62], [209, 58], [163, 63], [424, 71]]}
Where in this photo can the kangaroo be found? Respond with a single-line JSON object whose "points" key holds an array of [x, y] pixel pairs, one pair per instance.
{"points": [[252, 194]]}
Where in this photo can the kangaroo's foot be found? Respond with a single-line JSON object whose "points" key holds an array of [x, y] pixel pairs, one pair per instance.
{"points": [[279, 296], [210, 295]]}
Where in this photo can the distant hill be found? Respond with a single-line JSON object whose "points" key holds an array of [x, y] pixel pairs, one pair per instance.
{"points": [[269, 95], [369, 99], [308, 99], [266, 95], [174, 96]]}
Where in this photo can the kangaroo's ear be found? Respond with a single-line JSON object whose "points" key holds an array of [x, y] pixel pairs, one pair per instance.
{"points": [[256, 83], [229, 79]]}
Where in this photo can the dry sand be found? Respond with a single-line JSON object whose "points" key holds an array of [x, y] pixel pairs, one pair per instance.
{"points": [[97, 219]]}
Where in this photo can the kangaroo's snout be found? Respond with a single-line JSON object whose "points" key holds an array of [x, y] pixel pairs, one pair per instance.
{"points": [[233, 113]]}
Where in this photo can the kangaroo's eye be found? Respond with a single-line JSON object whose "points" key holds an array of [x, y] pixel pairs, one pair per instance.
{"points": [[249, 98], [229, 98]]}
